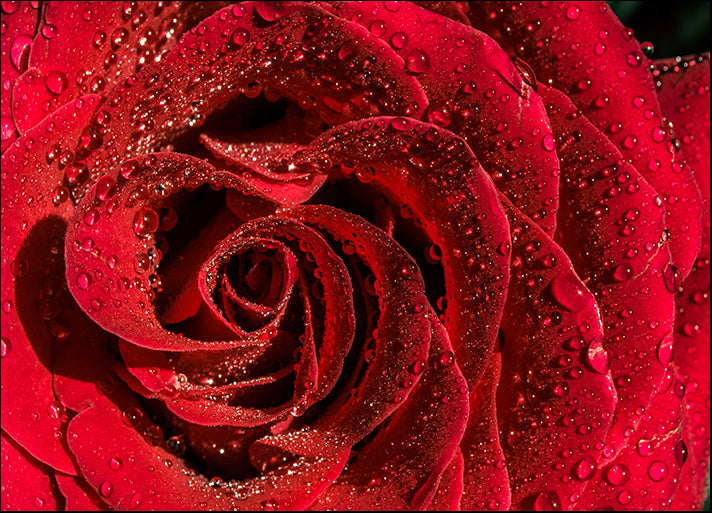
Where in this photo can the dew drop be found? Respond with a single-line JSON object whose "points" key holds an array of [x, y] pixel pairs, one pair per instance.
{"points": [[585, 468], [56, 82], [5, 346], [617, 474], [568, 292], [597, 357], [547, 501], [623, 272], [657, 471], [399, 40], [105, 188], [83, 281], [447, 358], [548, 142], [666, 349], [145, 222], [105, 489], [680, 452], [417, 62], [115, 463]]}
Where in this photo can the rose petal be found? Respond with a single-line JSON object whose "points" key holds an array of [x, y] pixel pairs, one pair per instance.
{"points": [[447, 498], [582, 49], [684, 94], [486, 481], [402, 338], [101, 45], [20, 21], [27, 484], [258, 160], [556, 396], [611, 228], [434, 173], [149, 478], [28, 244], [646, 473], [402, 466], [78, 495], [225, 55], [116, 288], [476, 91]]}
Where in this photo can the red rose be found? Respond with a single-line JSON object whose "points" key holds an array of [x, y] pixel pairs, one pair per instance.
{"points": [[341, 255]]}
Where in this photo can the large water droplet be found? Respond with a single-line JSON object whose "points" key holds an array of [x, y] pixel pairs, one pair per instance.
{"points": [[585, 468], [598, 357], [617, 474], [417, 62], [145, 222], [657, 471], [56, 82], [547, 501], [568, 292]]}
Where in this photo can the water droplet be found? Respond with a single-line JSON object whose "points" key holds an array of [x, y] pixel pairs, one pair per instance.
{"points": [[399, 124], [617, 474], [547, 501], [240, 36], [399, 40], [5, 346], [115, 463], [573, 12], [419, 366], [623, 272], [105, 188], [681, 452], [49, 31], [548, 142], [83, 281], [447, 358], [666, 349], [106, 489], [645, 447], [378, 28], [624, 497], [56, 82], [20, 52], [568, 292], [417, 62], [657, 471], [634, 59], [270, 505], [145, 222], [586, 468]]}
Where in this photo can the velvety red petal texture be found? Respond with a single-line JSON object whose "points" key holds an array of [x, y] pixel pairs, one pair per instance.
{"points": [[433, 173], [476, 90], [684, 92], [621, 252], [19, 25], [486, 483], [88, 47], [231, 47], [78, 495], [31, 280], [645, 474], [447, 498], [129, 473], [582, 49], [402, 466], [556, 396], [27, 484]]}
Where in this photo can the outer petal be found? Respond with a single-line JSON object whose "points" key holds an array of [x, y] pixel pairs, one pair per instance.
{"points": [[32, 237], [476, 91], [27, 484], [447, 498], [556, 396], [486, 484], [646, 473], [612, 229], [19, 24], [129, 473], [685, 99], [88, 47], [582, 49], [253, 45], [78, 495]]}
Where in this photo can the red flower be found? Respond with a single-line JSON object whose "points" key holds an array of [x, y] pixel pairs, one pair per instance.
{"points": [[351, 255]]}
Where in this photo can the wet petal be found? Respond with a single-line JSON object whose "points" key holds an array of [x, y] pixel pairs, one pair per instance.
{"points": [[87, 48], [486, 480], [40, 205], [447, 498], [584, 50], [27, 484], [78, 495], [403, 465], [433, 172], [556, 396], [476, 91], [19, 23], [612, 229], [237, 50], [646, 473]]}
